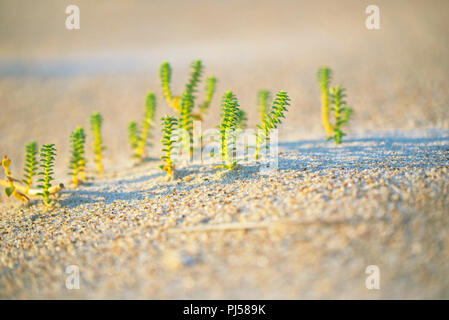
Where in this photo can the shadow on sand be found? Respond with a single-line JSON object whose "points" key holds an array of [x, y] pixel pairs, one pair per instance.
{"points": [[306, 155], [365, 153]]}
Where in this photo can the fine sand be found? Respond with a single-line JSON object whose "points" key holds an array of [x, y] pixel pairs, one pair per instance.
{"points": [[307, 229]]}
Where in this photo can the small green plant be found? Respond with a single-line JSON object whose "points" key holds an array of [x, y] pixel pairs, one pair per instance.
{"points": [[96, 121], [82, 154], [211, 83], [262, 102], [271, 119], [186, 123], [77, 160], [324, 76], [165, 72], [31, 165], [262, 97], [195, 75], [230, 118], [341, 111], [21, 189], [139, 139], [47, 158], [175, 101], [190, 88], [133, 135], [169, 125]]}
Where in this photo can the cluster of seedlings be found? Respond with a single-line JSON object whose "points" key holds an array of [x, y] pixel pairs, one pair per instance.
{"points": [[233, 118], [176, 101], [185, 104], [177, 131], [332, 99], [42, 169]]}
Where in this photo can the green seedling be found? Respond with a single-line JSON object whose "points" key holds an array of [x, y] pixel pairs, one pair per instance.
{"points": [[82, 154], [139, 139], [150, 107], [262, 102], [22, 189], [195, 75], [175, 101], [341, 111], [31, 165], [230, 118], [262, 97], [47, 158], [271, 119], [211, 83], [133, 135], [324, 76], [78, 160], [169, 125], [96, 121], [165, 72], [210, 90], [186, 123], [190, 88]]}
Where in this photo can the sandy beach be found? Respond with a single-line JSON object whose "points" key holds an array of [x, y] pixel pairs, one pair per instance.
{"points": [[307, 229]]}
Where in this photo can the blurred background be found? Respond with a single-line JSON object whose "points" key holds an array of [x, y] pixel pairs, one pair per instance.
{"points": [[52, 78]]}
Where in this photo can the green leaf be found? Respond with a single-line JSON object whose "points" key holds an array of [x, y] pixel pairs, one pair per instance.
{"points": [[9, 191]]}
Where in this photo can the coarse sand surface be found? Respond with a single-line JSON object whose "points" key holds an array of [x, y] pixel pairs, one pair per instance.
{"points": [[308, 229]]}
